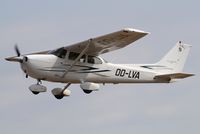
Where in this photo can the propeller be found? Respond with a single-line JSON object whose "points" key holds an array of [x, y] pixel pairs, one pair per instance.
{"points": [[19, 54], [17, 58], [17, 50]]}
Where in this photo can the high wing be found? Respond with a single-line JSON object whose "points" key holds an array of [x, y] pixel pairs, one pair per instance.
{"points": [[109, 42], [105, 43]]}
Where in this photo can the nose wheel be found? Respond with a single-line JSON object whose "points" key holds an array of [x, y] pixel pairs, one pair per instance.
{"points": [[37, 88]]}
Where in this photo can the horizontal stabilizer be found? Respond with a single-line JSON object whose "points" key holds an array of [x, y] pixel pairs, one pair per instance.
{"points": [[168, 77]]}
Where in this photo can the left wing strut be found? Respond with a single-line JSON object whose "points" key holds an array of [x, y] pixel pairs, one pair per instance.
{"points": [[78, 58]]}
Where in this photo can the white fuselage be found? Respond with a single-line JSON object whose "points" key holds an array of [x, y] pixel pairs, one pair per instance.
{"points": [[51, 68]]}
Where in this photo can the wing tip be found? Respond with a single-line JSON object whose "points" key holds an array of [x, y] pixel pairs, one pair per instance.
{"points": [[135, 30], [181, 43]]}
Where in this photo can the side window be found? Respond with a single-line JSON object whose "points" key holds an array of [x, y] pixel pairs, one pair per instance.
{"points": [[73, 55], [90, 59], [97, 60], [82, 59], [94, 60]]}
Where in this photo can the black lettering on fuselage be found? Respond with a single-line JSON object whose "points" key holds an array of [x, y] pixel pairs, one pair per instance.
{"points": [[123, 71], [137, 75], [130, 73], [118, 71]]}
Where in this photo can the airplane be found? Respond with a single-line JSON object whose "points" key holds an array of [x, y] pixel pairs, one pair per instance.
{"points": [[80, 63]]}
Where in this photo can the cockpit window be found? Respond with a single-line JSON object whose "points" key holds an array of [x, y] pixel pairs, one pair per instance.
{"points": [[73, 55], [94, 60], [83, 59], [61, 52]]}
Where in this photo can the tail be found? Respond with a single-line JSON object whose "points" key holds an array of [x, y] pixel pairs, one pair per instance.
{"points": [[170, 67], [175, 59]]}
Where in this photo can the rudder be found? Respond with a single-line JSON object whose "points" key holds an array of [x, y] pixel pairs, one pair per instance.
{"points": [[176, 57]]}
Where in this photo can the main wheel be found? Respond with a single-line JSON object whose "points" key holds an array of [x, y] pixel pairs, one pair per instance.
{"points": [[87, 91], [59, 96], [35, 92]]}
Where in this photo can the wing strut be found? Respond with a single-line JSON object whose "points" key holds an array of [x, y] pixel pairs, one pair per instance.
{"points": [[78, 58]]}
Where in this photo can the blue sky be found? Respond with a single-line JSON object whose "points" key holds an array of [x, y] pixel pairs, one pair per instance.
{"points": [[124, 108]]}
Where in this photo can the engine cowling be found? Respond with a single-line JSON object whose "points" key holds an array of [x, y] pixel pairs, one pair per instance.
{"points": [[59, 93], [90, 86], [36, 88]]}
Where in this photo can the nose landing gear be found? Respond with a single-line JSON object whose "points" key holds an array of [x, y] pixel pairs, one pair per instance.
{"points": [[37, 88]]}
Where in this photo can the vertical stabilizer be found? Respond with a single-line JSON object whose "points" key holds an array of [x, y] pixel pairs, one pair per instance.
{"points": [[176, 57]]}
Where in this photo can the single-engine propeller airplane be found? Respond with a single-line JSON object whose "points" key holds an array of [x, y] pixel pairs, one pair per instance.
{"points": [[80, 63]]}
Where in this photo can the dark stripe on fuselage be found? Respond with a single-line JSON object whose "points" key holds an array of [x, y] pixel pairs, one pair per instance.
{"points": [[98, 71], [76, 71], [86, 67]]}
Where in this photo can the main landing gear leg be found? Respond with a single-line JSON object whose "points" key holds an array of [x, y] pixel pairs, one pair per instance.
{"points": [[59, 93], [68, 84]]}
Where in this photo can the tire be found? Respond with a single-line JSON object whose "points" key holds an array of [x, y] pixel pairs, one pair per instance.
{"points": [[35, 93], [87, 91], [59, 97]]}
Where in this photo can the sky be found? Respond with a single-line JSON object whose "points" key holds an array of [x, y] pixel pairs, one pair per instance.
{"points": [[37, 25]]}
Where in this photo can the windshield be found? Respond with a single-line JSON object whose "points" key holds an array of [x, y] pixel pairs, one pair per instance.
{"points": [[60, 52]]}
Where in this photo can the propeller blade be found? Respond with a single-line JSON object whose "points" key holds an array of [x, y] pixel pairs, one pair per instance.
{"points": [[17, 50]]}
